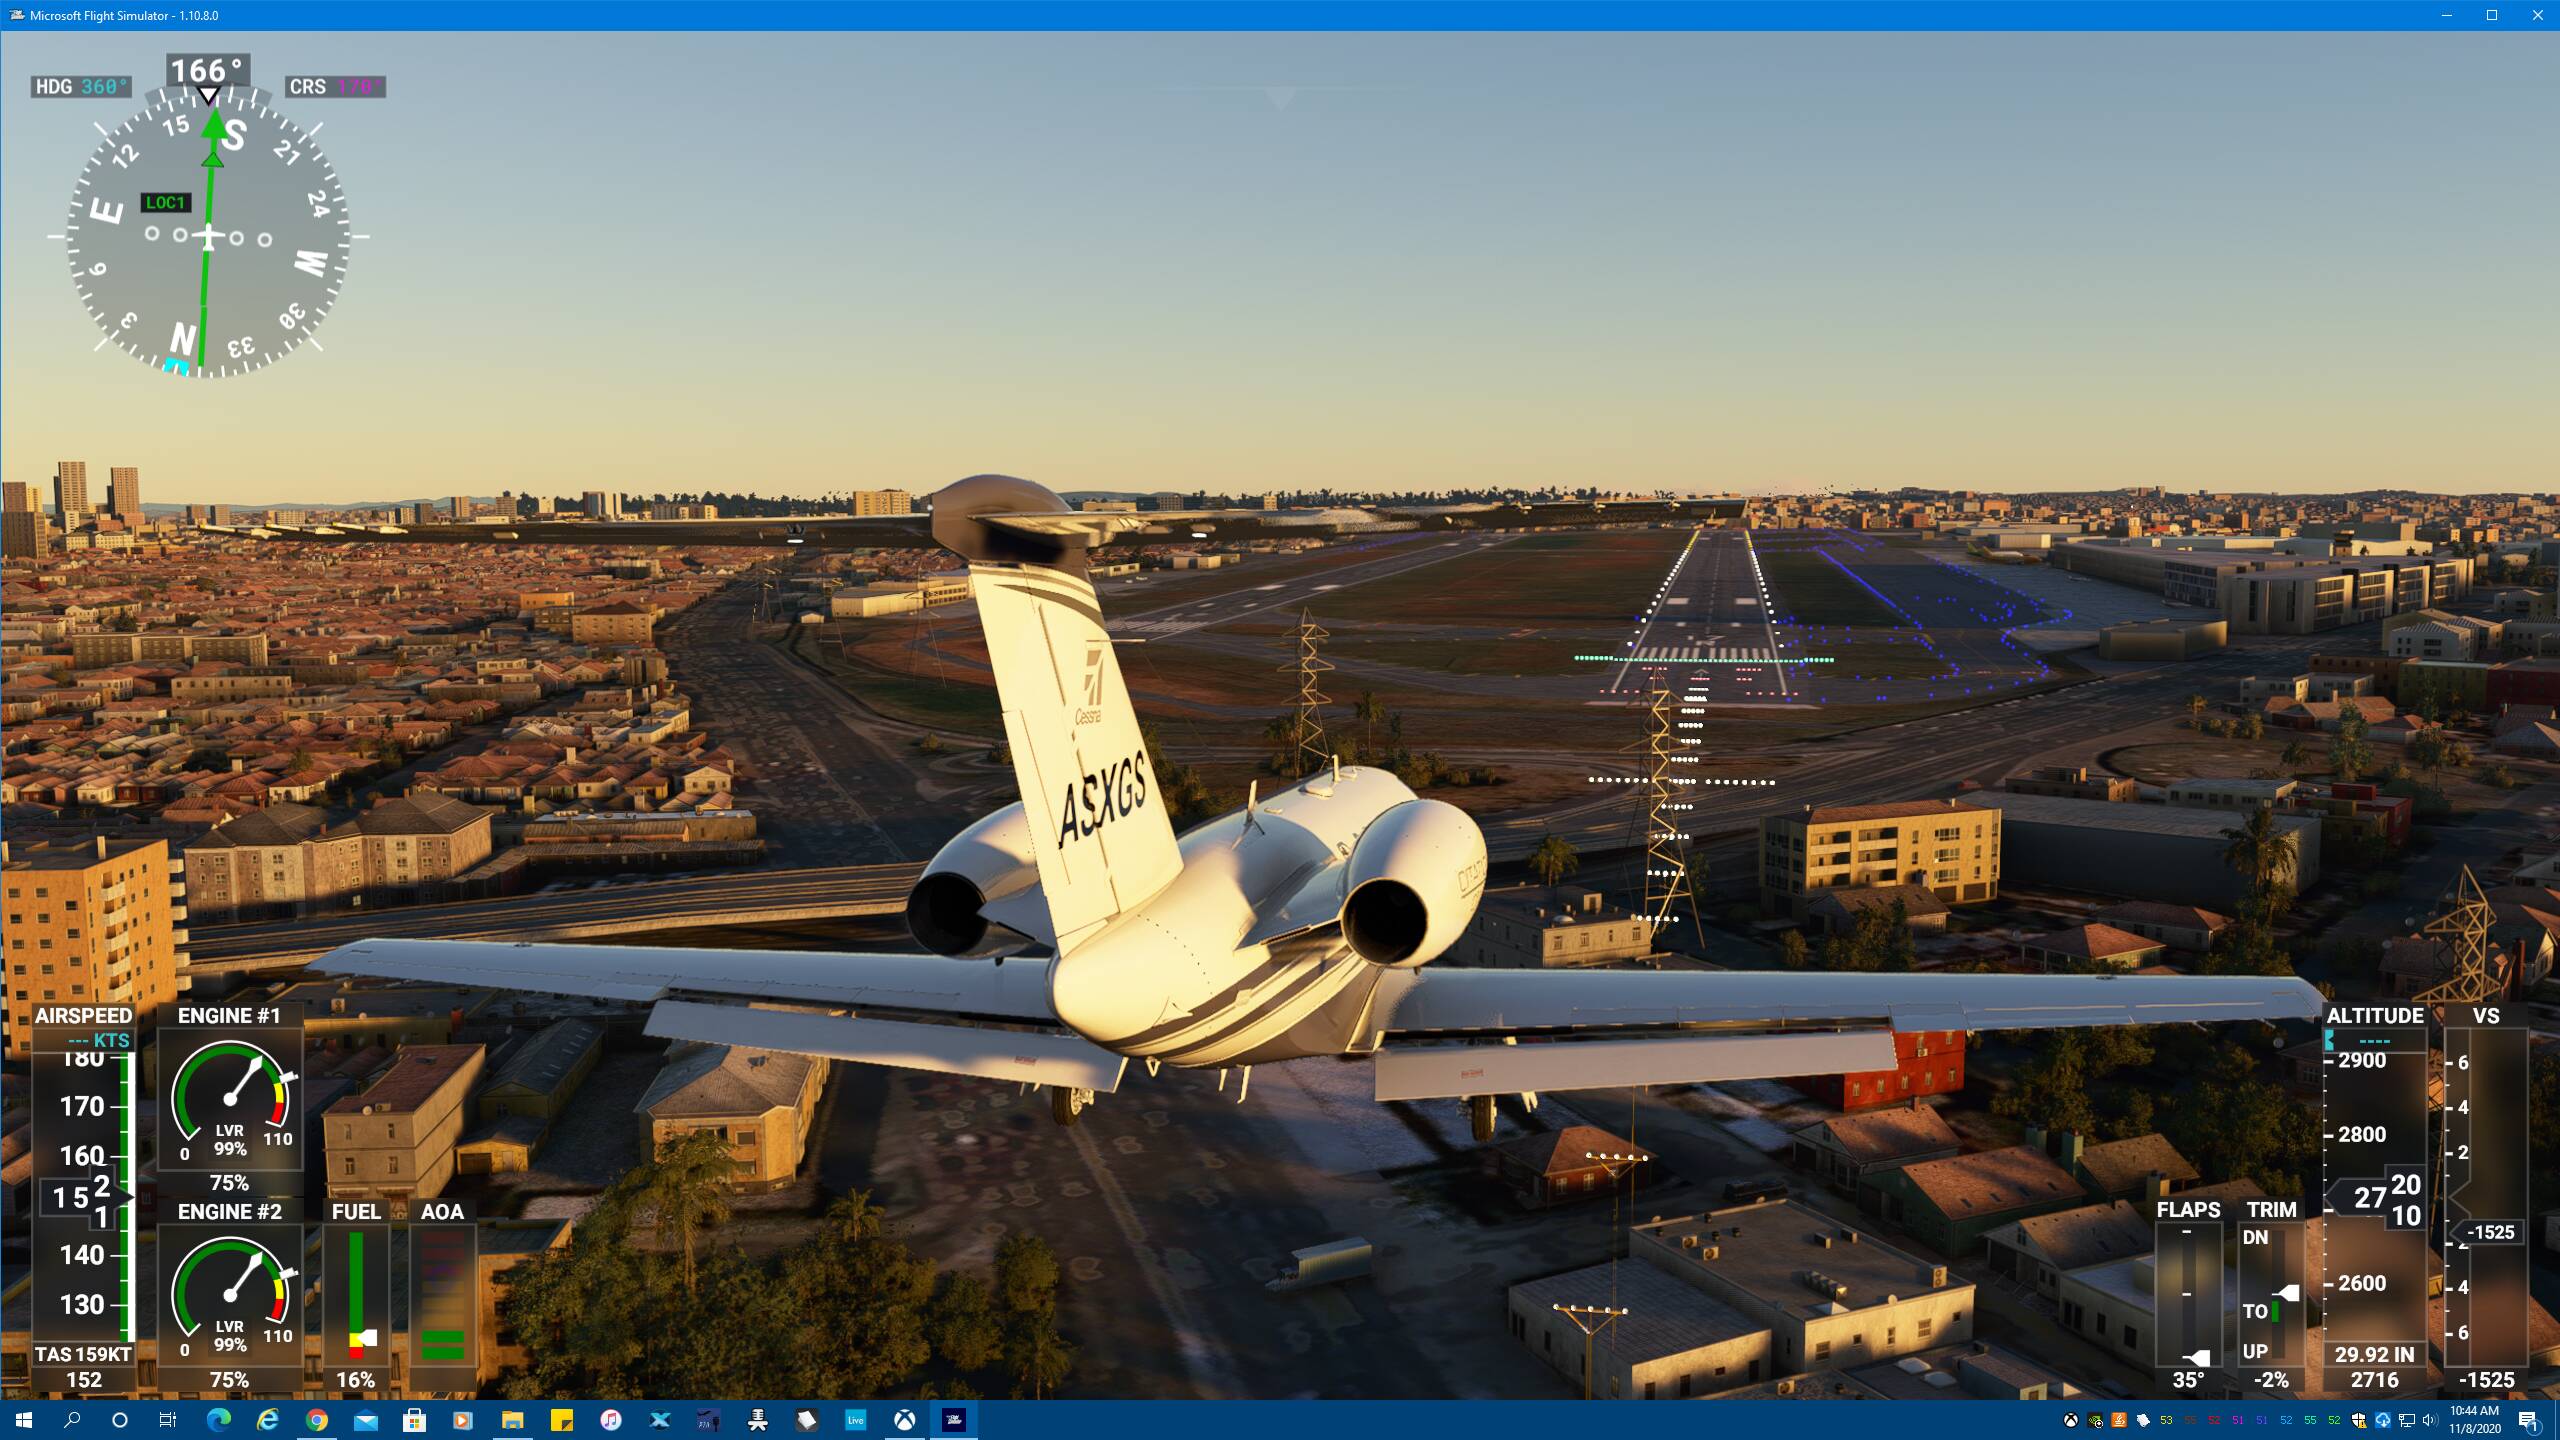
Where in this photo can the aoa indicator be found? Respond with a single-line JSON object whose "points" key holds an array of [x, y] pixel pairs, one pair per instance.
{"points": [[208, 235]]}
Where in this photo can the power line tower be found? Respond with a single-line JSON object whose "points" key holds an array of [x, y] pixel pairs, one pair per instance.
{"points": [[1590, 1320], [2462, 926], [1306, 725], [1667, 886]]}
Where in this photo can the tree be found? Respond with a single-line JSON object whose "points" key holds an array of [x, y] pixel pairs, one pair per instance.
{"points": [[1792, 951], [964, 1325], [2430, 701], [1370, 711], [2052, 1090], [1037, 1357], [2426, 750], [1026, 1274], [1554, 859], [2195, 711], [2236, 1126], [2296, 755], [688, 1191], [2350, 756], [2264, 856], [1879, 939], [862, 1289], [1187, 797], [2253, 727]]}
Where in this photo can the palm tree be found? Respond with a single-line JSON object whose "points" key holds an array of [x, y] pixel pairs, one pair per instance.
{"points": [[2264, 856], [688, 1190], [1370, 710], [2349, 754], [1554, 859]]}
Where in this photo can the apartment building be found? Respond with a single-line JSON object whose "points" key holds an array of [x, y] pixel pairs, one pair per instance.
{"points": [[617, 622], [394, 1140], [1949, 847], [97, 923], [763, 1102], [1527, 929], [285, 858]]}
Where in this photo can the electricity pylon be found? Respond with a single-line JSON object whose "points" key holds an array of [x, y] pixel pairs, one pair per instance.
{"points": [[1306, 726], [2462, 928], [1667, 884]]}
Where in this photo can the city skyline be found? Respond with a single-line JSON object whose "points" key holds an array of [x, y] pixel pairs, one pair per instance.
{"points": [[1761, 264]]}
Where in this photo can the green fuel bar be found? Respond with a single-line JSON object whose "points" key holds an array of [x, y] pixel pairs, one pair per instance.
{"points": [[444, 1345], [355, 1294]]}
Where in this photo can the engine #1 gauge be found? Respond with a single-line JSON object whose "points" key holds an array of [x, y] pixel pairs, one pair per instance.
{"points": [[208, 234]]}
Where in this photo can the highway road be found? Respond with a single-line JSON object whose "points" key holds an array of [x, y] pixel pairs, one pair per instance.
{"points": [[676, 903]]}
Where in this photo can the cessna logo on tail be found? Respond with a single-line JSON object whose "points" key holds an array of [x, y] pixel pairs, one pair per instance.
{"points": [[1102, 796], [1093, 653]]}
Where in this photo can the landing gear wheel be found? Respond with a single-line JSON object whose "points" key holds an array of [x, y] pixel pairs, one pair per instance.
{"points": [[1066, 1102], [1480, 1117]]}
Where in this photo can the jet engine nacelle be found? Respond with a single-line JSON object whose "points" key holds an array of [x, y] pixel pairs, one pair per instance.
{"points": [[989, 860], [1415, 876]]}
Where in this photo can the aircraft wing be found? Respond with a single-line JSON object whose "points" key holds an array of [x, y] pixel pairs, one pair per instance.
{"points": [[920, 1012], [1450, 1032]]}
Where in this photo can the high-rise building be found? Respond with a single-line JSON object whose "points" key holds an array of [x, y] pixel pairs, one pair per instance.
{"points": [[16, 495], [544, 505], [602, 504], [70, 493], [199, 514], [124, 493], [461, 507], [22, 534], [883, 502], [92, 923], [221, 514]]}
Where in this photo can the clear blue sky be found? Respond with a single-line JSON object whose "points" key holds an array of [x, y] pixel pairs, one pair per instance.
{"points": [[807, 263]]}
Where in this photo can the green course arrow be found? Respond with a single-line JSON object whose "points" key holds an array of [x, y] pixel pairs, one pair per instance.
{"points": [[214, 130]]}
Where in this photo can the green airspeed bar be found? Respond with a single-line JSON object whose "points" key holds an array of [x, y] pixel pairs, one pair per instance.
{"points": [[85, 1225]]}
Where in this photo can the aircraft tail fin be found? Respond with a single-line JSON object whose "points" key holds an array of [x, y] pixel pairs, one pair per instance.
{"points": [[1099, 830]]}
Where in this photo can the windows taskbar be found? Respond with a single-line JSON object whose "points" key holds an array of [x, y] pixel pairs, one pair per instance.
{"points": [[1955, 1418], [1283, 15]]}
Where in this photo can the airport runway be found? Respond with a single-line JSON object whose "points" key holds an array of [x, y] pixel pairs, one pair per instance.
{"points": [[1710, 631]]}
